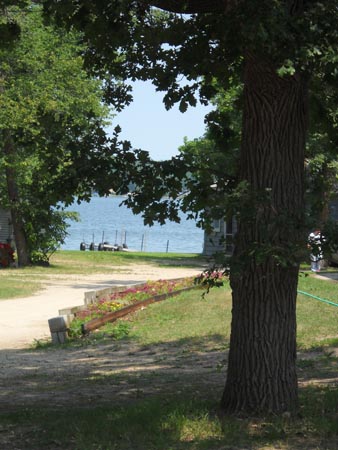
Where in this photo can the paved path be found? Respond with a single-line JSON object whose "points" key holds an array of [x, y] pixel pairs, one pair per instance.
{"points": [[26, 319]]}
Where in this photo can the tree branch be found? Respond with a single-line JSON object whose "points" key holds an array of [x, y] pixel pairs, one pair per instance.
{"points": [[192, 6]]}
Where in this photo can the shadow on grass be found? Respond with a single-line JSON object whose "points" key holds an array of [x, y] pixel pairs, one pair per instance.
{"points": [[120, 395], [164, 423], [318, 366]]}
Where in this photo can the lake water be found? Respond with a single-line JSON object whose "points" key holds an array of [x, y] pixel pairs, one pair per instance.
{"points": [[103, 220]]}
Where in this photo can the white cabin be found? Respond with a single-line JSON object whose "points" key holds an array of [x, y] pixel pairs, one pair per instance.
{"points": [[220, 239], [6, 229]]}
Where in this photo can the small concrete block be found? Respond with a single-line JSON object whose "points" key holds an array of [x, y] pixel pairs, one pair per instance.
{"points": [[69, 319], [57, 324], [89, 297], [103, 293], [61, 323], [59, 337], [70, 310]]}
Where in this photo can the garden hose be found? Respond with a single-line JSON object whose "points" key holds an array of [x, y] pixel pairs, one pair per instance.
{"points": [[318, 298]]}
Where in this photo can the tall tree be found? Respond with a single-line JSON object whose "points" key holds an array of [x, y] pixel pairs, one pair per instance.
{"points": [[51, 131], [275, 47]]}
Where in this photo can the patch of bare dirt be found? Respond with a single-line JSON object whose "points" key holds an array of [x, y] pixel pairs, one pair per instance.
{"points": [[115, 371], [105, 373]]}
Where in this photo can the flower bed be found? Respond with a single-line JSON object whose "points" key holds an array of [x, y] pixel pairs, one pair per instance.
{"points": [[103, 311], [120, 299]]}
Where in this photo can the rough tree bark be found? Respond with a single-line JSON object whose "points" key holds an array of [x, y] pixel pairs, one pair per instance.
{"points": [[262, 360]]}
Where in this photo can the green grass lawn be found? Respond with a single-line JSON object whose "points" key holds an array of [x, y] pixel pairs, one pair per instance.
{"points": [[317, 321], [186, 419]]}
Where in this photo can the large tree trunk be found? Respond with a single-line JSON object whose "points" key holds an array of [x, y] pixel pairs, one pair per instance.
{"points": [[262, 360], [14, 200]]}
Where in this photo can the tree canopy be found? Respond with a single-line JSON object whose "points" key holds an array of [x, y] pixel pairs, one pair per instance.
{"points": [[297, 37]]}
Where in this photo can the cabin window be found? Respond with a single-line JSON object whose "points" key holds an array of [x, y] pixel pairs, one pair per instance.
{"points": [[216, 225]]}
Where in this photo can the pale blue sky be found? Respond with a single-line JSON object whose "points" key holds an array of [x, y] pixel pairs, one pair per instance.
{"points": [[149, 126]]}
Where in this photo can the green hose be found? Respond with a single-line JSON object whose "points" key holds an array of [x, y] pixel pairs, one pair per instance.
{"points": [[318, 298]]}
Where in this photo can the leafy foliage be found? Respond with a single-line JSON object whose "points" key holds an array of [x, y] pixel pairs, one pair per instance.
{"points": [[195, 58], [139, 42], [9, 25], [162, 46], [55, 119], [46, 229]]}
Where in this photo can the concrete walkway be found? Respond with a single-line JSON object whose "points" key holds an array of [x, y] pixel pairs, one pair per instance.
{"points": [[24, 320]]}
